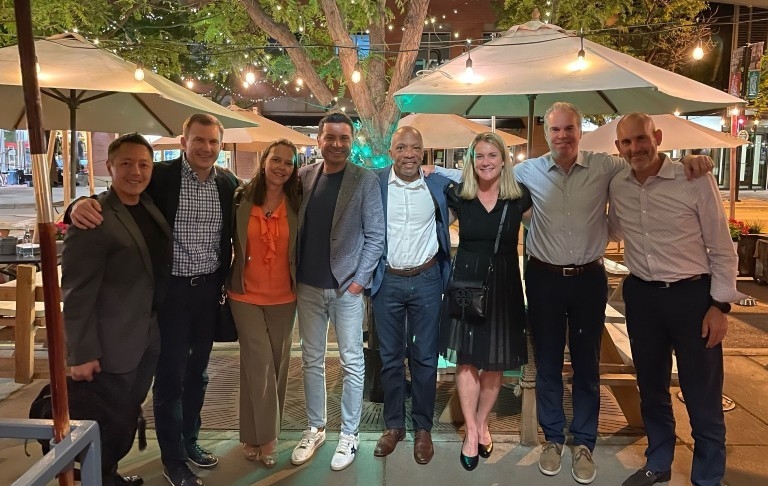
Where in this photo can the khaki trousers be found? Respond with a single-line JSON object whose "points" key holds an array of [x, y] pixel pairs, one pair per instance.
{"points": [[265, 333]]}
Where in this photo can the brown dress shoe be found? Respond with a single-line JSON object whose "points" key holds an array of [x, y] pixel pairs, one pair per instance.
{"points": [[423, 450], [388, 441]]}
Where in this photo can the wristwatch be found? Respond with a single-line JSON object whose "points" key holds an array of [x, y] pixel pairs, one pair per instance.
{"points": [[723, 307]]}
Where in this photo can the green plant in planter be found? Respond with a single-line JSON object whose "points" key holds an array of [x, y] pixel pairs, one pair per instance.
{"points": [[754, 227]]}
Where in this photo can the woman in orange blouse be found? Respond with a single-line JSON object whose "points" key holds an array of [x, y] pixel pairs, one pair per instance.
{"points": [[262, 294]]}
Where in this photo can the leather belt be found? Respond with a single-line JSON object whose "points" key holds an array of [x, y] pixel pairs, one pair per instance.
{"points": [[565, 270], [197, 279], [665, 285], [410, 272]]}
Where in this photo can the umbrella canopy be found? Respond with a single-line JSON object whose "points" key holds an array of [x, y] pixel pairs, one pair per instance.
{"points": [[451, 131], [677, 134], [539, 60], [252, 139], [78, 78]]}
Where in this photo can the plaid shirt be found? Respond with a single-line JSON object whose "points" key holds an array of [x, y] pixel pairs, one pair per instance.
{"points": [[198, 225]]}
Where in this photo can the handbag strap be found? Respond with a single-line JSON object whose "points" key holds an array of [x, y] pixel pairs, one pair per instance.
{"points": [[501, 225]]}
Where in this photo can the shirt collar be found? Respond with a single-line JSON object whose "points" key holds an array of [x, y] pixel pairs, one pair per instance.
{"points": [[393, 179], [580, 160], [187, 172], [667, 170]]}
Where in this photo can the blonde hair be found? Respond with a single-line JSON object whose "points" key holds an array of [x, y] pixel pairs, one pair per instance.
{"points": [[508, 186]]}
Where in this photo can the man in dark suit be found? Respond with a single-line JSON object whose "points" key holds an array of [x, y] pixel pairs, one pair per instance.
{"points": [[407, 290], [195, 196], [113, 281]]}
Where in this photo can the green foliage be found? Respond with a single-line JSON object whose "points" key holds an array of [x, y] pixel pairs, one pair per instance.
{"points": [[661, 32]]}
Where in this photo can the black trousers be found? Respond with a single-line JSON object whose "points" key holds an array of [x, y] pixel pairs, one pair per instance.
{"points": [[659, 321], [114, 400], [574, 305], [187, 322]]}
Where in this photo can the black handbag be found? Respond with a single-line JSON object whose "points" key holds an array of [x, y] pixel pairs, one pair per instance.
{"points": [[468, 299], [225, 331]]}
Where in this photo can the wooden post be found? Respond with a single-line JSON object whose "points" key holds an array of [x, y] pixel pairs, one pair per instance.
{"points": [[24, 367]]}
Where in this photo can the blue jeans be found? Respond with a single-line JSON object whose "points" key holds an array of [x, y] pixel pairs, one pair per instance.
{"points": [[407, 311], [315, 307]]}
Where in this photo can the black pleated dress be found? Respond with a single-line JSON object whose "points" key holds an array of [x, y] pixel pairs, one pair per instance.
{"points": [[499, 343]]}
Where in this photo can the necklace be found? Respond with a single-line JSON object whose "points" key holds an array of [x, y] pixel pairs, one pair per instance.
{"points": [[270, 212]]}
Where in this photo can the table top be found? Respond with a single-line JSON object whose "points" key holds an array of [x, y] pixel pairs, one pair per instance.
{"points": [[34, 259]]}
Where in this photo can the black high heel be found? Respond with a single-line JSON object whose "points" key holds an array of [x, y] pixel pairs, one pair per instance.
{"points": [[485, 450], [469, 463]]}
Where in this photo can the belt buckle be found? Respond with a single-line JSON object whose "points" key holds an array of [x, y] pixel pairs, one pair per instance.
{"points": [[194, 280], [570, 271], [666, 285]]}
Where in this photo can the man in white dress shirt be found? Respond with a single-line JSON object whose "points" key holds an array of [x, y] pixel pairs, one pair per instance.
{"points": [[407, 291], [683, 275]]}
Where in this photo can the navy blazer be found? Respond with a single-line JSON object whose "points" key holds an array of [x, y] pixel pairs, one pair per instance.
{"points": [[436, 185]]}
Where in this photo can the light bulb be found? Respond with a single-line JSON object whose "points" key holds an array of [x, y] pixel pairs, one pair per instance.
{"points": [[735, 111], [250, 78], [468, 71], [300, 82], [139, 73], [190, 84], [521, 156], [246, 84], [356, 76], [677, 112], [698, 53], [581, 63]]}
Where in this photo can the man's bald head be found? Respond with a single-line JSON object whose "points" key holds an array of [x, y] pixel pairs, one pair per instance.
{"points": [[637, 140]]}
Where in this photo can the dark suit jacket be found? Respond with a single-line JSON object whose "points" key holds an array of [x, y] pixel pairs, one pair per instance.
{"points": [[109, 286], [436, 185], [357, 231], [165, 187]]}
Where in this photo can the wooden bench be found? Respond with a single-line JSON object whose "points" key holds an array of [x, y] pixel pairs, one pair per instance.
{"points": [[21, 314]]}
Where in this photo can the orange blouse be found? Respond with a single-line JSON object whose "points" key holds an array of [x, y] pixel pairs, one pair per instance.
{"points": [[267, 276]]}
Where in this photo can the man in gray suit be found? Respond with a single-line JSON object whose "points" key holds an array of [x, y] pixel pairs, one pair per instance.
{"points": [[113, 279], [341, 239]]}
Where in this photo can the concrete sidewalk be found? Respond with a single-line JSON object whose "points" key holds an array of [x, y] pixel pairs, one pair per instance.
{"points": [[23, 197]]}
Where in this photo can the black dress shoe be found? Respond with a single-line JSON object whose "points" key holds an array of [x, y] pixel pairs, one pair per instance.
{"points": [[182, 475], [128, 480], [485, 450], [468, 462], [201, 457], [644, 477]]}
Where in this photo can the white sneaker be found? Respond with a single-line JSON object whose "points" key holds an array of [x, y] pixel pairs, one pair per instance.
{"points": [[311, 439], [345, 451]]}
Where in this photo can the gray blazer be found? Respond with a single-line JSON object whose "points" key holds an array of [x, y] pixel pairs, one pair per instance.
{"points": [[357, 233], [108, 286]]}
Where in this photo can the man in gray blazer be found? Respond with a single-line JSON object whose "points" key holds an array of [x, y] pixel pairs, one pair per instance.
{"points": [[341, 239], [113, 280]]}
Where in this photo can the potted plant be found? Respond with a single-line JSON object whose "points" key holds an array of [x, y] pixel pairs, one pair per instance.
{"points": [[61, 232]]}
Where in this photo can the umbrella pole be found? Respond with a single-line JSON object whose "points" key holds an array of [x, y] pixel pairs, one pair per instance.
{"points": [[45, 227], [89, 151], [529, 145], [234, 159], [74, 160], [65, 166]]}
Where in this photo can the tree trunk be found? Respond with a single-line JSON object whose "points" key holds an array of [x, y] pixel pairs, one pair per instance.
{"points": [[373, 96]]}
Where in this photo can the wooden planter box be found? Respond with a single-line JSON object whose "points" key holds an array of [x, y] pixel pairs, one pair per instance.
{"points": [[745, 249]]}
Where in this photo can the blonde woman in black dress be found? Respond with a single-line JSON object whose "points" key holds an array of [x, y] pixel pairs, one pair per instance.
{"points": [[482, 351]]}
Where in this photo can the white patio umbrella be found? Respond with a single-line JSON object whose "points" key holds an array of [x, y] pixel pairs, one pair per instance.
{"points": [[251, 139], [451, 131], [529, 67], [83, 83], [677, 134], [87, 88]]}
